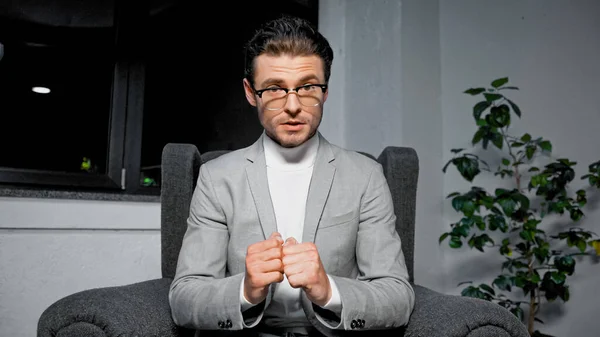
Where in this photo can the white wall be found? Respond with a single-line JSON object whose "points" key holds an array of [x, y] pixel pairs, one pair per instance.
{"points": [[51, 248], [550, 50], [406, 64]]}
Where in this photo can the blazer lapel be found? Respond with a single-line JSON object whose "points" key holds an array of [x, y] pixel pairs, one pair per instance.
{"points": [[318, 192], [256, 173]]}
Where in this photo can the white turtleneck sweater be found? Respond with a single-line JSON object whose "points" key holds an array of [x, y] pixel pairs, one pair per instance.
{"points": [[289, 171]]}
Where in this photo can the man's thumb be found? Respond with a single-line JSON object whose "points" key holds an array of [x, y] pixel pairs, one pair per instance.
{"points": [[290, 241], [276, 235]]}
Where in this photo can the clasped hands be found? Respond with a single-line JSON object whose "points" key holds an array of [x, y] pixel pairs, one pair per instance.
{"points": [[267, 261]]}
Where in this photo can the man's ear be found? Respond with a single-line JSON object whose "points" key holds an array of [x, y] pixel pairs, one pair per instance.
{"points": [[325, 95], [249, 92]]}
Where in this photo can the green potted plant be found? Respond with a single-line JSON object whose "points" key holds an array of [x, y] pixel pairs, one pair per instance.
{"points": [[512, 221]]}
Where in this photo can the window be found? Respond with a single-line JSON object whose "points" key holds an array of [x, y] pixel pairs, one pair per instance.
{"points": [[56, 83], [124, 81]]}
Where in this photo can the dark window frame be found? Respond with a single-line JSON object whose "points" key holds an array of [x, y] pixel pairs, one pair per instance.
{"points": [[126, 109], [124, 150]]}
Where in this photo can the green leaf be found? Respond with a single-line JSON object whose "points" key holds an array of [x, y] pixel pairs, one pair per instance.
{"points": [[564, 295], [446, 166], [526, 138], [527, 235], [462, 230], [565, 264], [457, 203], [522, 199], [456, 150], [576, 214], [497, 221], [472, 291], [468, 167], [582, 245], [509, 88], [505, 162], [468, 208], [508, 206], [517, 311], [474, 91], [492, 97], [497, 140], [530, 150], [499, 82], [477, 136], [546, 146], [558, 277], [500, 115], [596, 245], [487, 288], [514, 107], [443, 237], [455, 242], [501, 192], [479, 108], [505, 250], [452, 195], [504, 282]]}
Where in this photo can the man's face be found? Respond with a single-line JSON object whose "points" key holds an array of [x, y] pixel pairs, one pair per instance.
{"points": [[293, 123]]}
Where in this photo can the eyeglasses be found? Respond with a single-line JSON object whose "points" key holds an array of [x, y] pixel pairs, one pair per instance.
{"points": [[309, 95]]}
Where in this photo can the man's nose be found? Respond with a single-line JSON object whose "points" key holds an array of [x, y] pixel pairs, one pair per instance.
{"points": [[292, 104]]}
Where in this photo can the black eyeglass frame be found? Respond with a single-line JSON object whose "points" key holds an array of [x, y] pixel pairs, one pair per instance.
{"points": [[287, 90]]}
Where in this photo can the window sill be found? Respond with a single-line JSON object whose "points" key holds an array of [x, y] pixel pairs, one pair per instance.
{"points": [[75, 195]]}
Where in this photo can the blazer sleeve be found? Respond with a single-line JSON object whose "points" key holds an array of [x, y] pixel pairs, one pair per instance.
{"points": [[201, 296], [381, 296]]}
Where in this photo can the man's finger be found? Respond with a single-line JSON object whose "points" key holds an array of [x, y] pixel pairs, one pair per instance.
{"points": [[273, 277], [276, 235], [294, 258], [272, 242], [268, 266], [293, 269], [298, 248], [290, 241], [298, 280], [269, 254]]}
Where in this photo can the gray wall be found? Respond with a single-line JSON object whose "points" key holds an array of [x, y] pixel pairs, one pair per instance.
{"points": [[406, 64]]}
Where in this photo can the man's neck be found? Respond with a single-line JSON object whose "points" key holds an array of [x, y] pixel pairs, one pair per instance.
{"points": [[295, 158]]}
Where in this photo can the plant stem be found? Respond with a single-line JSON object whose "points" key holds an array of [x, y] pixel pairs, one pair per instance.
{"points": [[532, 301]]}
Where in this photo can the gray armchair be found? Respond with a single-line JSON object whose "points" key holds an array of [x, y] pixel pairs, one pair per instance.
{"points": [[142, 309]]}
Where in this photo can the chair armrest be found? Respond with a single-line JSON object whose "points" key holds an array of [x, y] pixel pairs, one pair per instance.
{"points": [[440, 315], [140, 309]]}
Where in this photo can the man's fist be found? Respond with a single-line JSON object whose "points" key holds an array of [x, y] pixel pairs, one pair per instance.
{"points": [[263, 267], [304, 269]]}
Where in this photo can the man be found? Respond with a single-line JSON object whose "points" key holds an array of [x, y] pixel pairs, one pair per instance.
{"points": [[291, 236]]}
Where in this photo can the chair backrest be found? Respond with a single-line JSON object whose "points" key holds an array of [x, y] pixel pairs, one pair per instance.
{"points": [[180, 166]]}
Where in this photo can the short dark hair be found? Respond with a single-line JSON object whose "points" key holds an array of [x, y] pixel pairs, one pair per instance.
{"points": [[287, 35]]}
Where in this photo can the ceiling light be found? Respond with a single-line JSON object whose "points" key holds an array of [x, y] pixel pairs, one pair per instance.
{"points": [[41, 90]]}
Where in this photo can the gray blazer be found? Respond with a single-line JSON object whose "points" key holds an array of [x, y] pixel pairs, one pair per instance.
{"points": [[349, 217]]}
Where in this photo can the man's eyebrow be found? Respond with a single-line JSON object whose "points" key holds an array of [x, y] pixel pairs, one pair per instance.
{"points": [[308, 77], [270, 81], [278, 81]]}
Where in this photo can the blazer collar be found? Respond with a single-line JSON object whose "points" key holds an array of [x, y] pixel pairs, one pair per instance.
{"points": [[320, 184]]}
